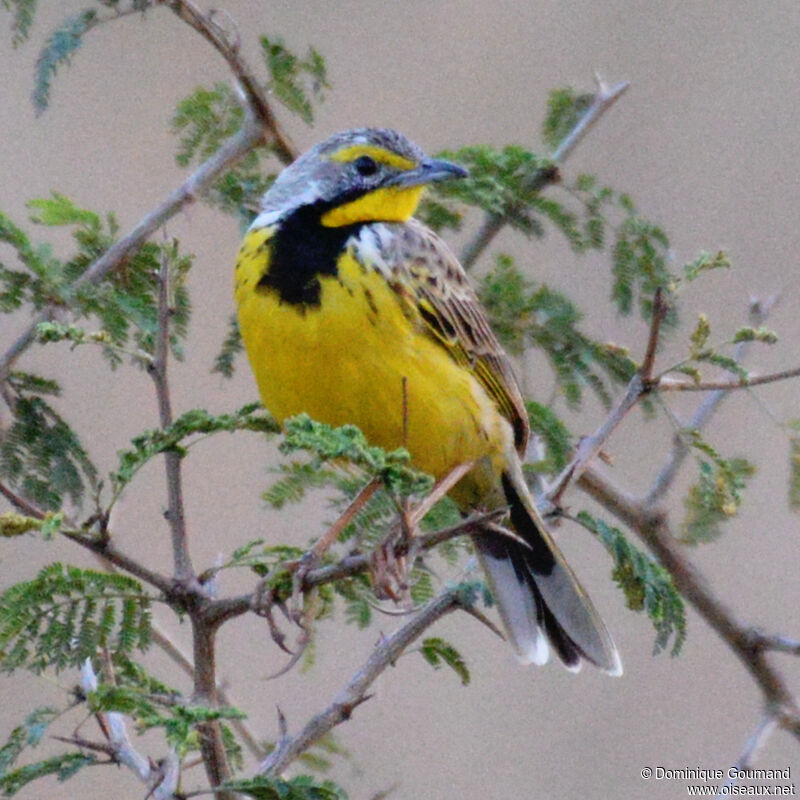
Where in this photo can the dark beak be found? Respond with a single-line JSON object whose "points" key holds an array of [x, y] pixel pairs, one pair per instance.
{"points": [[429, 171]]}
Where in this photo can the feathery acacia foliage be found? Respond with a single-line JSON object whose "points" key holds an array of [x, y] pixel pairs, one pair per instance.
{"points": [[66, 617]]}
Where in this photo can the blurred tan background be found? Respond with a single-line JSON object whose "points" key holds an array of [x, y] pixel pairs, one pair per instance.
{"points": [[705, 140]]}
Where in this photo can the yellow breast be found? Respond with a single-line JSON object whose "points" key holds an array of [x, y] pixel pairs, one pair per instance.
{"points": [[362, 357]]}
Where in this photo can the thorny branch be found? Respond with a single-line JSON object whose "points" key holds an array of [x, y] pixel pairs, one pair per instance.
{"points": [[651, 525], [746, 642], [355, 691], [157, 368], [208, 28], [161, 779]]}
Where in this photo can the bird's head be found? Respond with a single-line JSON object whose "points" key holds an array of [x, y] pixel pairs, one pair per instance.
{"points": [[360, 175]]}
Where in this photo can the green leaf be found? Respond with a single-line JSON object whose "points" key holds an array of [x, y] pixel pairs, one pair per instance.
{"points": [[197, 421], [647, 586], [28, 734], [699, 336], [760, 334], [296, 82], [437, 651], [704, 263], [63, 767], [717, 494], [58, 50], [301, 787], [555, 435], [297, 478], [524, 316], [204, 120], [24, 12], [639, 263], [565, 107], [60, 210], [503, 182], [232, 345], [794, 470], [40, 455], [347, 443], [66, 614], [39, 282]]}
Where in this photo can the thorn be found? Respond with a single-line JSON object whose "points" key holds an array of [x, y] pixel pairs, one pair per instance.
{"points": [[283, 728]]}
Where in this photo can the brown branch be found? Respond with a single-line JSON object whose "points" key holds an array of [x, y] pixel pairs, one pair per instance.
{"points": [[492, 224], [163, 641], [659, 312], [212, 746], [678, 385], [175, 515], [20, 503], [332, 534], [653, 529], [220, 611], [355, 691], [205, 25]]}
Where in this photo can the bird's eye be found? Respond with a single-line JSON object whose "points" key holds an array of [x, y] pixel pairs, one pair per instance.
{"points": [[366, 166]]}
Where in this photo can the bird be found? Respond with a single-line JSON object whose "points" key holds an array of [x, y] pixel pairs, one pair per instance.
{"points": [[354, 312]]}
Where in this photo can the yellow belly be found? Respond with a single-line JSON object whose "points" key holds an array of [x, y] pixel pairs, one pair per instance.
{"points": [[358, 358]]}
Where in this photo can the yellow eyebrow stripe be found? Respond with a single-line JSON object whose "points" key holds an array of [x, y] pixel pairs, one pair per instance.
{"points": [[380, 154]]}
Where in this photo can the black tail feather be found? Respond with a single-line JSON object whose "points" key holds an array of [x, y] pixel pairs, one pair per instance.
{"points": [[544, 598]]}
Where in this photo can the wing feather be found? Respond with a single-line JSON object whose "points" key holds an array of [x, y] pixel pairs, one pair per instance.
{"points": [[435, 289]]}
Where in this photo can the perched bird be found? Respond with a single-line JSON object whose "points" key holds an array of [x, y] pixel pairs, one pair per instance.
{"points": [[354, 312]]}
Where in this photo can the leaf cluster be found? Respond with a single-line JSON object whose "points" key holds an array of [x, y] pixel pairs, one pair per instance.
{"points": [[40, 454], [437, 651], [65, 615], [716, 495], [300, 787], [124, 302], [348, 444], [29, 734], [647, 586], [149, 444], [702, 351], [523, 315], [204, 120], [297, 82]]}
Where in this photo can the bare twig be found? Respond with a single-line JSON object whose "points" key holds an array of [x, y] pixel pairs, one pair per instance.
{"points": [[781, 644], [442, 487], [20, 503], [590, 446], [678, 385], [355, 691], [175, 516], [332, 534], [659, 312], [755, 742], [492, 224]]}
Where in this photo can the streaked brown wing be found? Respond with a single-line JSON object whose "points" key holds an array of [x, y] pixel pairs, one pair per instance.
{"points": [[428, 276]]}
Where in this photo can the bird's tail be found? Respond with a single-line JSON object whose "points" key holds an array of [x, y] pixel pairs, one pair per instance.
{"points": [[540, 600]]}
